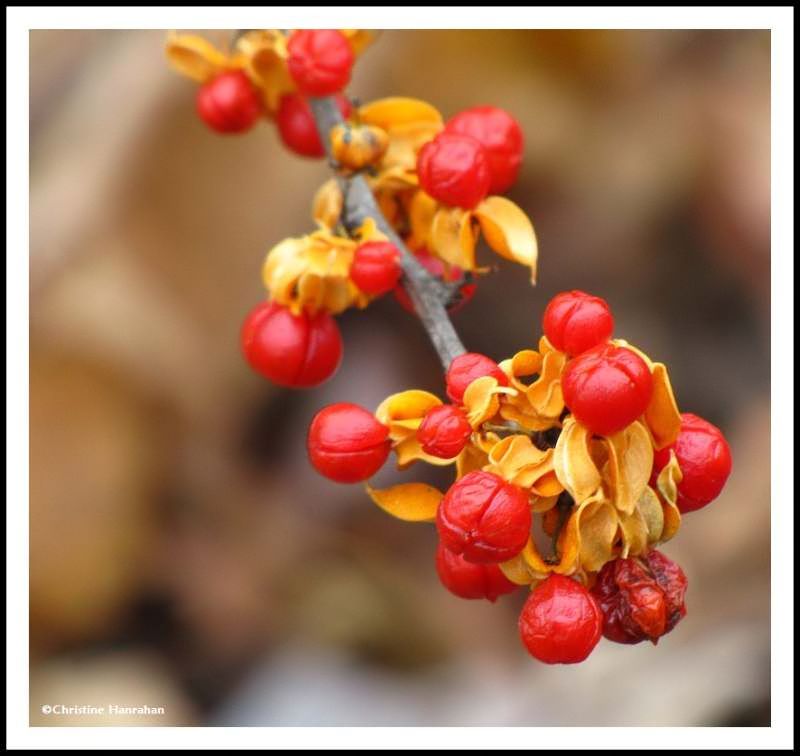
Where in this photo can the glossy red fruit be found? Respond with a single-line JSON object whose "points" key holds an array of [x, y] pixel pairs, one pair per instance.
{"points": [[296, 125], [436, 267], [229, 103], [561, 622], [575, 321], [444, 431], [501, 137], [466, 368], [483, 518], [376, 267], [468, 580], [299, 351], [346, 443], [705, 460], [454, 169], [641, 599], [320, 61], [607, 388]]}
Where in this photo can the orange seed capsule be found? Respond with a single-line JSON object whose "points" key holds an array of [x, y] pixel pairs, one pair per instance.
{"points": [[356, 147]]}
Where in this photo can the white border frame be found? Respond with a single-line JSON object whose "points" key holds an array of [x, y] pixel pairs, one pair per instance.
{"points": [[778, 19]]}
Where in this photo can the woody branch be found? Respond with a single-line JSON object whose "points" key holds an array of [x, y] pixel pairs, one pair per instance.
{"points": [[428, 294]]}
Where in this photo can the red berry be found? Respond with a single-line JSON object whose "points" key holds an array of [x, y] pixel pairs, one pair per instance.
{"points": [[641, 599], [229, 103], [704, 458], [346, 443], [501, 137], [454, 169], [444, 431], [291, 350], [672, 580], [466, 368], [319, 61], [484, 518], [468, 580], [435, 266], [561, 622], [607, 388], [575, 321], [296, 125], [376, 267]]}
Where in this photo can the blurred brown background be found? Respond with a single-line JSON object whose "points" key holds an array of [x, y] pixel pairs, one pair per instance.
{"points": [[184, 555]]}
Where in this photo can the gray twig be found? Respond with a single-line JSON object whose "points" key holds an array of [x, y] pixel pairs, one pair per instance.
{"points": [[429, 294]]}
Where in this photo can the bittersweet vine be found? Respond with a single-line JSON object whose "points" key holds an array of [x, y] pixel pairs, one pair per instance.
{"points": [[577, 439]]}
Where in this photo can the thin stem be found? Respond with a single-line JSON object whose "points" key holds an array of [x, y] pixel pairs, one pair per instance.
{"points": [[428, 294]]}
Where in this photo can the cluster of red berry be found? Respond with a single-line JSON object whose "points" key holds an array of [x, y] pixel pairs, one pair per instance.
{"points": [[484, 520], [580, 439], [421, 166], [319, 62], [301, 350], [477, 151]]}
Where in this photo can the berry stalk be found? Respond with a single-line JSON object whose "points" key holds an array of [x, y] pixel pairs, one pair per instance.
{"points": [[429, 295]]}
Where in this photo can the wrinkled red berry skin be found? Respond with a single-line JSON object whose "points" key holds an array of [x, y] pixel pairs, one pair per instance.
{"points": [[561, 622], [705, 460], [299, 351], [229, 103], [471, 581], [467, 367], [454, 169], [641, 599], [435, 266], [607, 388], [320, 61], [296, 125], [444, 431], [575, 321], [672, 580], [633, 604], [483, 518], [346, 443], [376, 267], [501, 137]]}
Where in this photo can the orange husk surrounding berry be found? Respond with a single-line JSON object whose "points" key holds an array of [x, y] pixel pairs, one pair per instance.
{"points": [[482, 399], [450, 233], [473, 457], [327, 205], [614, 510], [517, 460], [453, 233], [667, 487], [197, 58], [662, 417], [421, 211], [412, 502], [260, 53], [403, 413], [630, 461], [508, 232], [519, 570], [312, 273], [573, 463], [409, 124], [264, 52], [357, 146], [538, 405]]}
